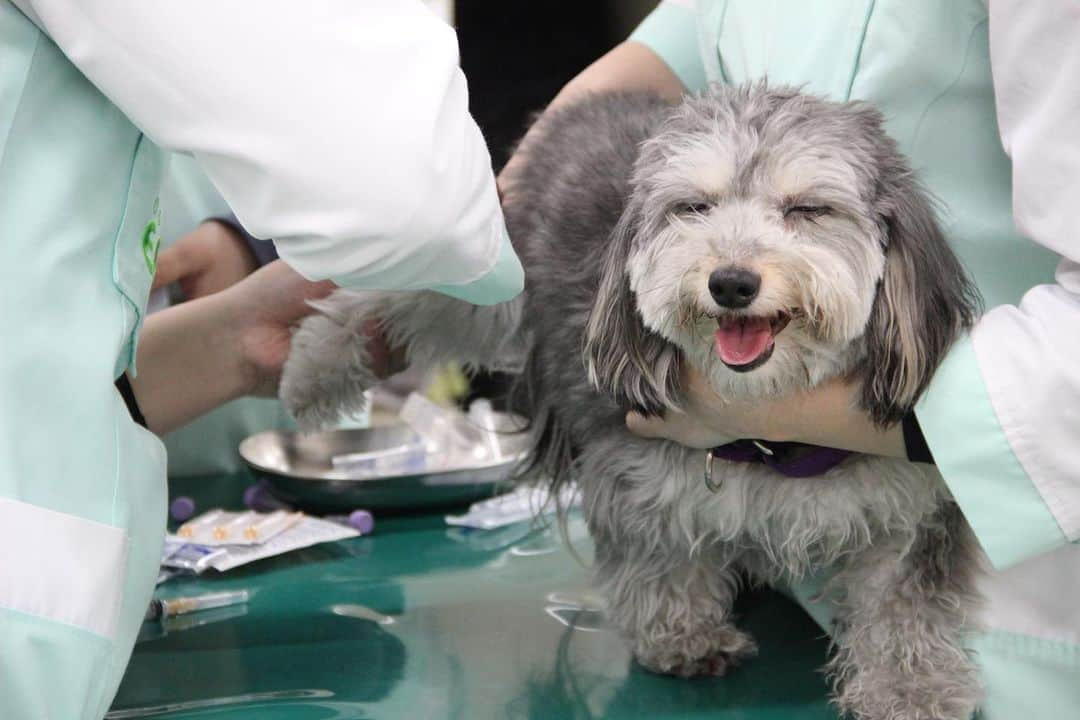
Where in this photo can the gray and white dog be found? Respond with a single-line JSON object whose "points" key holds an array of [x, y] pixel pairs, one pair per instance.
{"points": [[772, 240]]}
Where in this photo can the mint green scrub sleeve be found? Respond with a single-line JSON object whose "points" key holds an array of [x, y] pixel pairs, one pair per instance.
{"points": [[1010, 518]]}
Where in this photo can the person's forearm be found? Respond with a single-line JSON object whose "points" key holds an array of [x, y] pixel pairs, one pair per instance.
{"points": [[827, 416], [188, 364]]}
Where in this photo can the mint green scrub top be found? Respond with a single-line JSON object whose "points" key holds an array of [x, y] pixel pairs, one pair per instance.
{"points": [[82, 486], [925, 64]]}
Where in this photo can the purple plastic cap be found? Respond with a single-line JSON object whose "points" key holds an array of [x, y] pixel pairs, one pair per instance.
{"points": [[181, 508], [252, 496], [362, 521]]}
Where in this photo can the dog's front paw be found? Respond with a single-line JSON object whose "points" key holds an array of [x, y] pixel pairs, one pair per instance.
{"points": [[951, 693], [708, 651], [326, 374]]}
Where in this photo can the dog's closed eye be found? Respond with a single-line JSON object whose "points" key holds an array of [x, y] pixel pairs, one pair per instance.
{"points": [[806, 211], [693, 208]]}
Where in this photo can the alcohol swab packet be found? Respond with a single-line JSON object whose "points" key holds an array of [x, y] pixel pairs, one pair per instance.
{"points": [[179, 554], [524, 503]]}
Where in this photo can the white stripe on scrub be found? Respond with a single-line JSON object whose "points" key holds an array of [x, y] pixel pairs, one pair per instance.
{"points": [[60, 567]]}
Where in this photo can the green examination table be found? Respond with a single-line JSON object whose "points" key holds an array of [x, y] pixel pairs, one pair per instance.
{"points": [[422, 621]]}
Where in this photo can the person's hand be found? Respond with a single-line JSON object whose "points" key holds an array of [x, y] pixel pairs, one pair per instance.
{"points": [[200, 354], [261, 312], [207, 260], [705, 420], [827, 415]]}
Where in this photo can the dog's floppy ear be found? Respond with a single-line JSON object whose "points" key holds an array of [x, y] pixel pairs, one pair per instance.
{"points": [[623, 357], [924, 302]]}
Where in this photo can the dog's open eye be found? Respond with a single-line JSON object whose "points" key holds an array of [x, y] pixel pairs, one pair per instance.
{"points": [[810, 211], [693, 208]]}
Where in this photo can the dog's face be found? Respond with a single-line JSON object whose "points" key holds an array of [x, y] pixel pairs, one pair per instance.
{"points": [[775, 239]]}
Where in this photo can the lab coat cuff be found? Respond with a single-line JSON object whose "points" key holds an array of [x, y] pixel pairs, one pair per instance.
{"points": [[670, 31], [504, 281], [999, 500]]}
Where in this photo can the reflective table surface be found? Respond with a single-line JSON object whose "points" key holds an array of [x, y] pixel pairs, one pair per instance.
{"points": [[423, 621]]}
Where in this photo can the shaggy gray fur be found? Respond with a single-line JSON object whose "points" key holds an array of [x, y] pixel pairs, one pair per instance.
{"points": [[622, 208]]}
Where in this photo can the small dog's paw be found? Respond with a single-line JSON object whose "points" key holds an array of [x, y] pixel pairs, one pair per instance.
{"points": [[326, 374], [880, 697], [705, 652], [715, 665]]}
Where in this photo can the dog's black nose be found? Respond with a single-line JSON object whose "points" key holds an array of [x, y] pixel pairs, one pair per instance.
{"points": [[734, 287]]}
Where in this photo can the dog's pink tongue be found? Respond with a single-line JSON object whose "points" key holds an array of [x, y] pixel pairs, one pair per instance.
{"points": [[742, 342]]}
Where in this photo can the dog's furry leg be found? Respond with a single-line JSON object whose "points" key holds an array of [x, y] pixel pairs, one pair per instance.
{"points": [[675, 611], [669, 590], [907, 609], [329, 368]]}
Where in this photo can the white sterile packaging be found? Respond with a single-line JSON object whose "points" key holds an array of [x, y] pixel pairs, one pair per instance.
{"points": [[218, 527], [305, 533], [187, 553], [446, 439], [521, 504], [450, 437]]}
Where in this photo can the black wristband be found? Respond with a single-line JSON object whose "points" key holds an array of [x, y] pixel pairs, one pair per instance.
{"points": [[124, 386], [914, 440]]}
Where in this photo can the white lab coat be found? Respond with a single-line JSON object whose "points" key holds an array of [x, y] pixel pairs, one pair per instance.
{"points": [[1028, 355], [340, 129]]}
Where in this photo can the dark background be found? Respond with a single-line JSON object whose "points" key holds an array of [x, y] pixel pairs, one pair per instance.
{"points": [[517, 54]]}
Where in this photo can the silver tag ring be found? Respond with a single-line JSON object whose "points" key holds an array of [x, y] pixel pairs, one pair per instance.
{"points": [[713, 486]]}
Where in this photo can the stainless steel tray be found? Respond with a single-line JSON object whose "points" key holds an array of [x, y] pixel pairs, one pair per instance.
{"points": [[299, 470]]}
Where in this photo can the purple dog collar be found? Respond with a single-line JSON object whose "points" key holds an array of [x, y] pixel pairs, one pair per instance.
{"points": [[787, 458]]}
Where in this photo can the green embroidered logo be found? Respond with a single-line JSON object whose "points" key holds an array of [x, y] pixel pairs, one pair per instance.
{"points": [[151, 238]]}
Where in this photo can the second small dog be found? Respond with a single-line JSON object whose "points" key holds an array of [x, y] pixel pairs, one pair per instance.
{"points": [[771, 240]]}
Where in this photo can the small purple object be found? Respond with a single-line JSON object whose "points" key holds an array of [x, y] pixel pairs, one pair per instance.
{"points": [[362, 521], [181, 508], [359, 520], [251, 496]]}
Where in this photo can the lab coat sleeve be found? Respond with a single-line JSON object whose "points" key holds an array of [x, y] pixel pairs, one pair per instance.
{"points": [[338, 128], [670, 31], [1002, 416]]}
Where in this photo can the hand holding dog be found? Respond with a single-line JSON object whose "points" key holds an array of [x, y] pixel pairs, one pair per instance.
{"points": [[197, 355], [828, 416]]}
